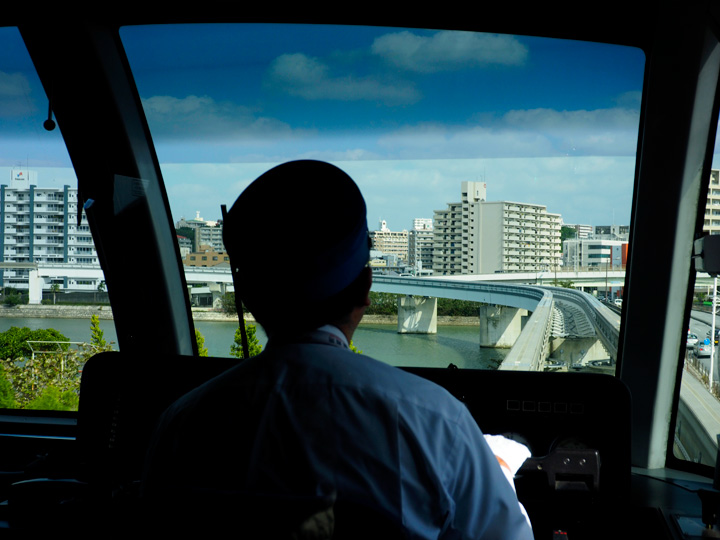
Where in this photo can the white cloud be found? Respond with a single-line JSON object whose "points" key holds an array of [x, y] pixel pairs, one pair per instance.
{"points": [[202, 116], [441, 142], [610, 131], [550, 119], [444, 51], [536, 133], [308, 78], [15, 98]]}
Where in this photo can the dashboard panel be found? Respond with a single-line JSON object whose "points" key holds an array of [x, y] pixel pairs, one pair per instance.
{"points": [[577, 427]]}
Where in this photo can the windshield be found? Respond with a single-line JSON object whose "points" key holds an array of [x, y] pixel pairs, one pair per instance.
{"points": [[54, 308], [494, 164]]}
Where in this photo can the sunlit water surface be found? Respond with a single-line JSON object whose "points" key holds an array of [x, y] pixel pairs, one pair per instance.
{"points": [[458, 345]]}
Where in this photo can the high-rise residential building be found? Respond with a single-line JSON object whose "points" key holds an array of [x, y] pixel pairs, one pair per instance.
{"points": [[390, 242], [712, 206], [454, 248], [40, 225], [206, 233], [475, 236], [420, 246], [186, 245]]}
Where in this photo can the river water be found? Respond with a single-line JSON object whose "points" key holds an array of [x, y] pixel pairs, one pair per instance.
{"points": [[452, 344]]}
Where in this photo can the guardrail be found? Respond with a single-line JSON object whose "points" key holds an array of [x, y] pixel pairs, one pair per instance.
{"points": [[521, 296], [532, 346]]}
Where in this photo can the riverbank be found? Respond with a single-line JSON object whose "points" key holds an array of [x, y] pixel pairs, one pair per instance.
{"points": [[44, 311], [199, 314]]}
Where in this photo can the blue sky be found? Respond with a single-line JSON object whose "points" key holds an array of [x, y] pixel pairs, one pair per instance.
{"points": [[409, 114]]}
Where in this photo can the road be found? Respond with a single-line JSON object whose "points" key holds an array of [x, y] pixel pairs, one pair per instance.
{"points": [[700, 324]]}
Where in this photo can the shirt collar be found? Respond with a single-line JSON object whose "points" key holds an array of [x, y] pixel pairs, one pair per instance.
{"points": [[336, 335]]}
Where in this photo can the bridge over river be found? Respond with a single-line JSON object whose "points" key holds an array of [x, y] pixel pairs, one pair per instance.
{"points": [[540, 323]]}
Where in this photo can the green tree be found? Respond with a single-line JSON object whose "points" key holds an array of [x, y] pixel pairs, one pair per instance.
{"points": [[54, 289], [354, 349], [566, 233], [12, 299], [449, 307], [227, 302], [96, 333], [382, 304], [100, 289], [187, 232], [236, 349], [14, 341], [32, 377], [202, 350], [7, 395], [52, 399], [47, 379]]}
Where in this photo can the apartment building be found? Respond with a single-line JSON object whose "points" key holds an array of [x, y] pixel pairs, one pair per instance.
{"points": [[206, 233], [475, 236], [390, 242], [420, 246], [40, 225], [712, 206]]}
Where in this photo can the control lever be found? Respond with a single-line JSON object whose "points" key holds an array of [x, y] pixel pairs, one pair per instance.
{"points": [[567, 469]]}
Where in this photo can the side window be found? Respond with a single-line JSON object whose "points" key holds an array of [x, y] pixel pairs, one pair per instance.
{"points": [[54, 308], [698, 413]]}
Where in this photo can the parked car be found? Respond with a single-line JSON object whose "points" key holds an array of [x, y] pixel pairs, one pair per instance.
{"points": [[692, 340], [618, 302]]}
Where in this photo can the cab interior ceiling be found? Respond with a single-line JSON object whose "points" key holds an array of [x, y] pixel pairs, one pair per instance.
{"points": [[97, 108]]}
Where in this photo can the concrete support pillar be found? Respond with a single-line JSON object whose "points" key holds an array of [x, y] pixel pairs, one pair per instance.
{"points": [[500, 326], [417, 315], [35, 285]]}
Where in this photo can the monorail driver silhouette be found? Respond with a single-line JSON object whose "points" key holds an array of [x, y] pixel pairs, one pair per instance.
{"points": [[308, 417]]}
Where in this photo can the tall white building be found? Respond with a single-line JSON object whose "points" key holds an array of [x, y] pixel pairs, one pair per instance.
{"points": [[39, 225], [712, 206], [475, 236], [420, 246]]}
